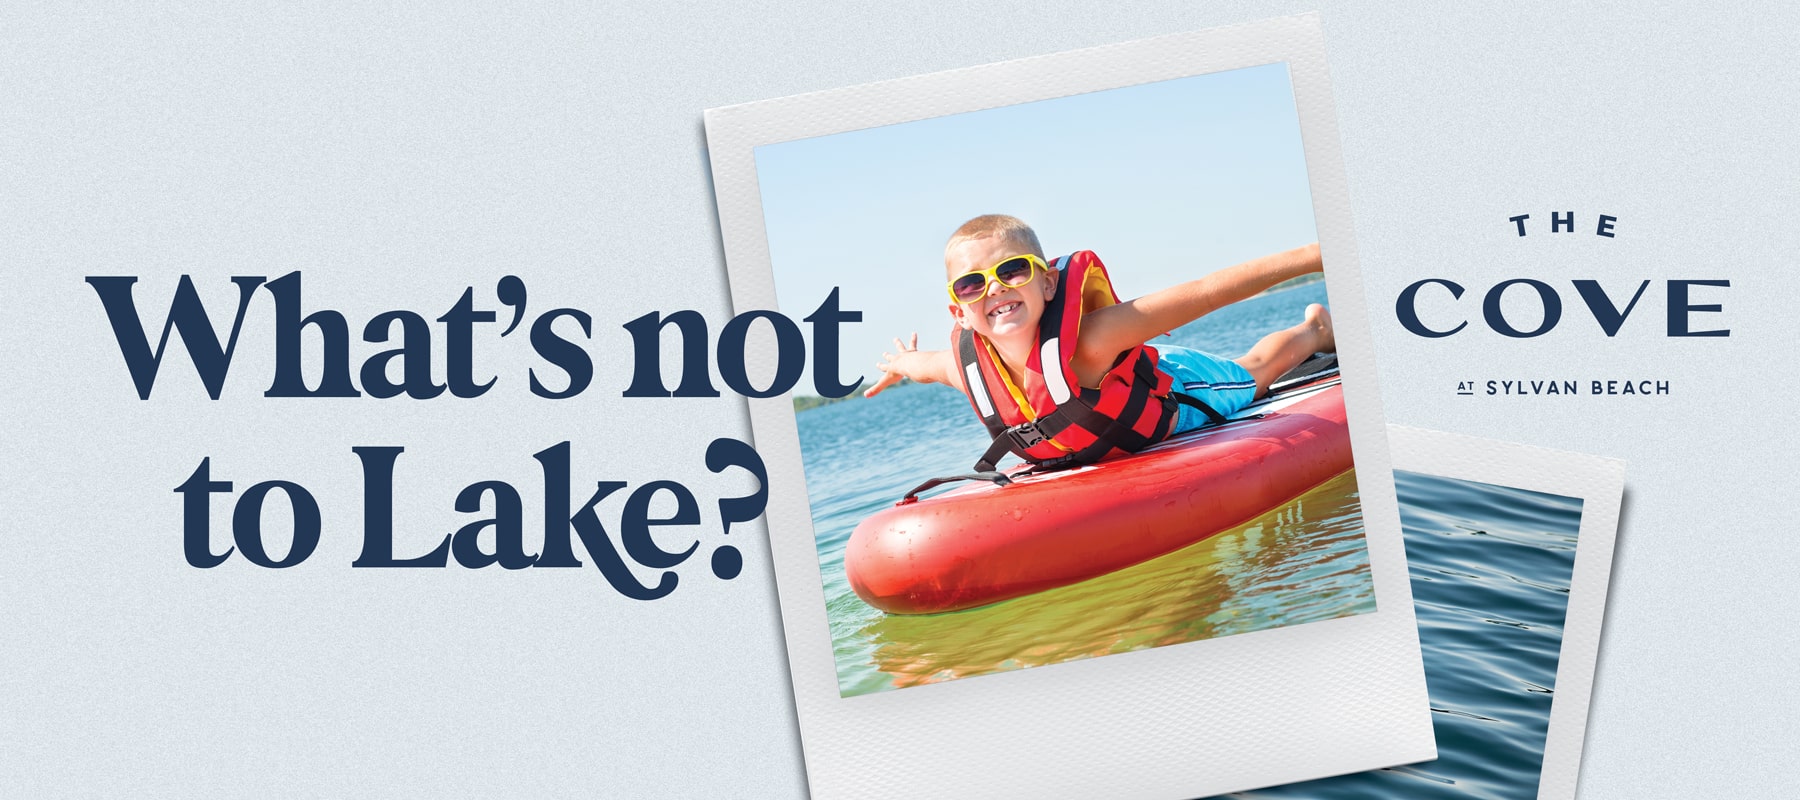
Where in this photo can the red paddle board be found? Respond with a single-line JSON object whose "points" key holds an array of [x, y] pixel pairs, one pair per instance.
{"points": [[984, 543]]}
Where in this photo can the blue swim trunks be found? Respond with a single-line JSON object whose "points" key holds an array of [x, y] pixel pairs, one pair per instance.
{"points": [[1218, 382]]}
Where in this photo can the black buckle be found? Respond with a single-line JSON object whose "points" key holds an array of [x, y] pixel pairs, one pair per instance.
{"points": [[1026, 435]]}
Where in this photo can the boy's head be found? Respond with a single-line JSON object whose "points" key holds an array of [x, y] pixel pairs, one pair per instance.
{"points": [[1002, 312], [1010, 229]]}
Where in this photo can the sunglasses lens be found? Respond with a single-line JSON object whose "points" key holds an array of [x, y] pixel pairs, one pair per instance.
{"points": [[1013, 272], [969, 287]]}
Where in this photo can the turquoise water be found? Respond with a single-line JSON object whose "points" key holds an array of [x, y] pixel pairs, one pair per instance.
{"points": [[1300, 562], [1490, 572]]}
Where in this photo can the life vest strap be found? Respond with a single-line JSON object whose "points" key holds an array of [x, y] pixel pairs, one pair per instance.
{"points": [[1050, 417], [1016, 439], [986, 405], [998, 478], [1211, 413], [1020, 438]]}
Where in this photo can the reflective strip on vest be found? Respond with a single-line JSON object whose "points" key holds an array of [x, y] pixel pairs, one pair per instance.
{"points": [[1050, 357], [978, 389]]}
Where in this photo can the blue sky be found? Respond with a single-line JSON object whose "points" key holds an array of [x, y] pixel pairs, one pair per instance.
{"points": [[1165, 181]]}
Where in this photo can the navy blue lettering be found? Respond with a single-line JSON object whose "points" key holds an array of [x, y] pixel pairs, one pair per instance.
{"points": [[1490, 308], [1406, 308], [554, 461], [634, 525], [334, 333], [187, 315], [600, 547], [721, 455], [513, 295], [1680, 308], [790, 354], [414, 353], [196, 516], [646, 341], [1605, 313], [508, 523], [246, 524], [459, 346], [825, 323], [567, 355], [559, 551], [378, 514]]}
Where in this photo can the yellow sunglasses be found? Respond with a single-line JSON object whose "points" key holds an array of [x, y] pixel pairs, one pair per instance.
{"points": [[1014, 272]]}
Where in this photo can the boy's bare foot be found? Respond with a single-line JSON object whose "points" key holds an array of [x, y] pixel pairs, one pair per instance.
{"points": [[1280, 351], [1320, 319]]}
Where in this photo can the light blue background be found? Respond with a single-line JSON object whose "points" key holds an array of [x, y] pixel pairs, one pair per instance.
{"points": [[400, 154]]}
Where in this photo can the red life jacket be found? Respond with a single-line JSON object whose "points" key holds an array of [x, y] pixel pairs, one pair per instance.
{"points": [[1052, 418]]}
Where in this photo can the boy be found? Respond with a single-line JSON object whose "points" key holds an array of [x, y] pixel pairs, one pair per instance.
{"points": [[1109, 392]]}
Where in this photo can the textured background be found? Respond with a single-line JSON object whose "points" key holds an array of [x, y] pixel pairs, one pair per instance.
{"points": [[398, 155]]}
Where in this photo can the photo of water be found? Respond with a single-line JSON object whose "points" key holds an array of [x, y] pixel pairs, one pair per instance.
{"points": [[1300, 562], [1490, 570]]}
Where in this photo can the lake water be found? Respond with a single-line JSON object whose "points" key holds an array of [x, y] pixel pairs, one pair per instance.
{"points": [[1490, 572], [1301, 562]]}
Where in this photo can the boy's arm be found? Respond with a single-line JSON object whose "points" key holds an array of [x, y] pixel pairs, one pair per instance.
{"points": [[1109, 331], [924, 366]]}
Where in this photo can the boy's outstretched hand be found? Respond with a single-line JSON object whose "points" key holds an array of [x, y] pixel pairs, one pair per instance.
{"points": [[924, 366], [890, 366]]}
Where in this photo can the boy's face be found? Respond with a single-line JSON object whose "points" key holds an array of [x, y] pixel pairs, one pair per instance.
{"points": [[1004, 313]]}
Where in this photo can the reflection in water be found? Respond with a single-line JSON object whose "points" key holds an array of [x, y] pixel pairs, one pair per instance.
{"points": [[1301, 562]]}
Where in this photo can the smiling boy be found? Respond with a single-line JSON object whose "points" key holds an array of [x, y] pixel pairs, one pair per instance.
{"points": [[1109, 393]]}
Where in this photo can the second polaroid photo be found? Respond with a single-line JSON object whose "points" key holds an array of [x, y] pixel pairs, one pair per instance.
{"points": [[1510, 548]]}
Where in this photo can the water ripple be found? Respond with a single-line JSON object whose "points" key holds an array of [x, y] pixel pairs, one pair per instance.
{"points": [[1490, 569]]}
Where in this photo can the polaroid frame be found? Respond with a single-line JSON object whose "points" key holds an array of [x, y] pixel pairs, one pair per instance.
{"points": [[1600, 485], [1201, 718]]}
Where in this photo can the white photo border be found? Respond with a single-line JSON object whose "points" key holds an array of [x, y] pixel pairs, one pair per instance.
{"points": [[1600, 485], [1202, 718]]}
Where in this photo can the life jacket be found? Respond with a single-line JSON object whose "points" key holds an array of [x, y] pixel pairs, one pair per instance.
{"points": [[1051, 419]]}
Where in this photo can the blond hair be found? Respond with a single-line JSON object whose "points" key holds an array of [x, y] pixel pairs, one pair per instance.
{"points": [[1012, 229]]}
